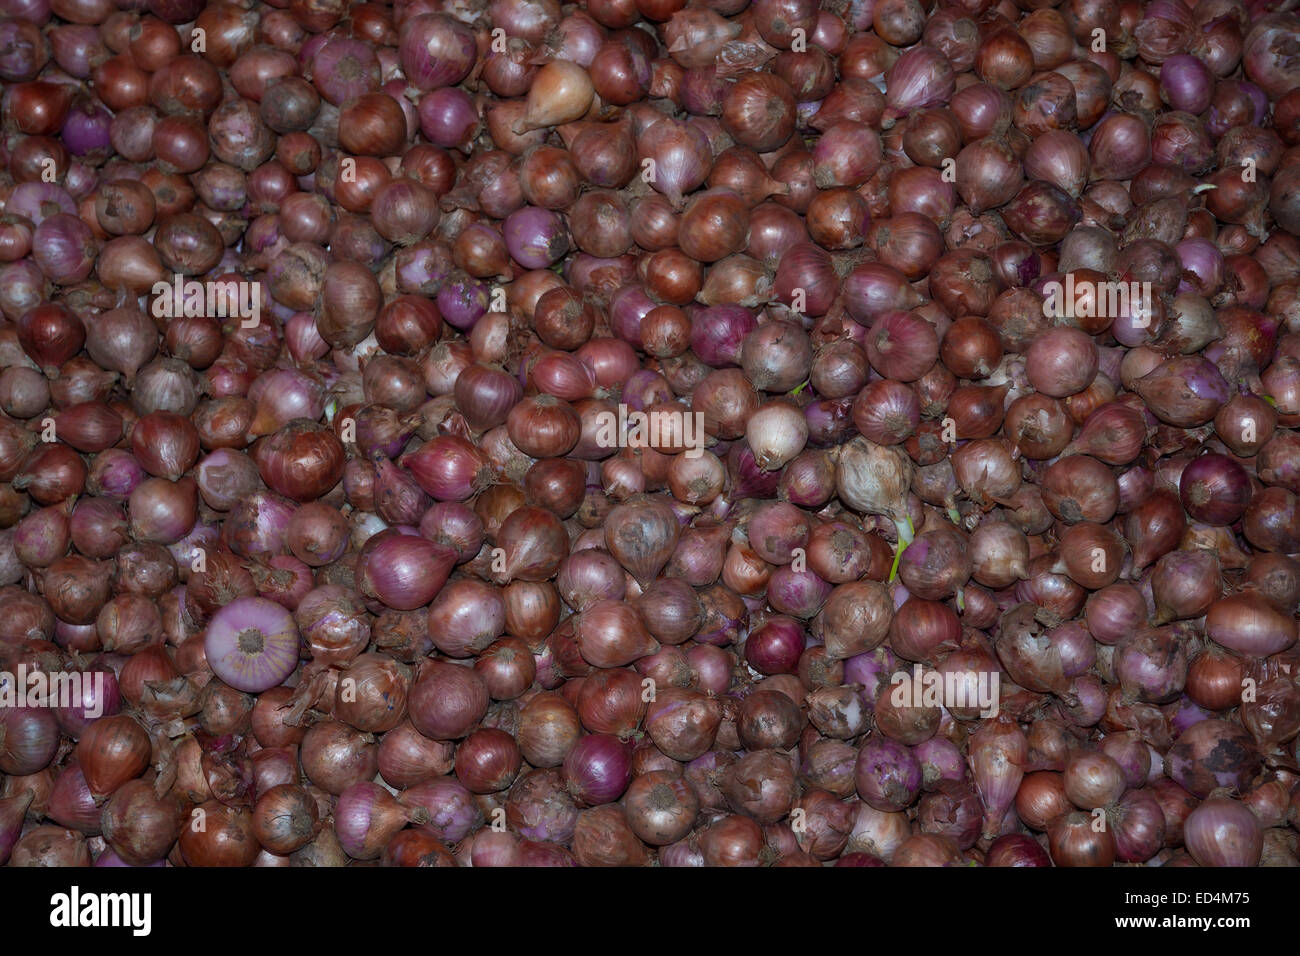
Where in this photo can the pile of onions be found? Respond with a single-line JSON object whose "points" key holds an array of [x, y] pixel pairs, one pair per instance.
{"points": [[629, 433]]}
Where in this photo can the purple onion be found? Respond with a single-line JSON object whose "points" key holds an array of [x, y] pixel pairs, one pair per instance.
{"points": [[830, 422], [453, 811], [463, 301], [11, 568], [364, 814], [77, 47], [588, 576], [38, 200], [1216, 124], [919, 78], [258, 525], [114, 473], [331, 616], [1132, 754], [798, 593], [455, 525], [1186, 83], [383, 432], [1016, 849], [448, 118], [252, 644], [1190, 761], [263, 236], [628, 306], [598, 769], [683, 853], [43, 536], [535, 237], [311, 47], [214, 475], [343, 68], [809, 480], [1151, 665], [681, 152], [30, 732], [22, 54], [35, 11], [888, 774], [398, 498], [724, 632], [746, 478], [774, 647], [1186, 712], [1109, 360], [423, 268], [718, 332], [953, 810], [436, 50], [99, 697], [940, 759], [22, 287], [282, 395], [64, 248], [546, 813], [873, 670], [1215, 489], [1135, 486], [645, 387], [1224, 832], [1077, 650], [303, 338], [702, 91], [1091, 696], [584, 271], [806, 111], [85, 131], [1202, 266]]}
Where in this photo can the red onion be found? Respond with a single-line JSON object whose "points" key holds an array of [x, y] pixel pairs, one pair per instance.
{"points": [[252, 644], [1223, 832], [403, 571]]}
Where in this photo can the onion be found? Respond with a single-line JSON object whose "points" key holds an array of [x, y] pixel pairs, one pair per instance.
{"points": [[1186, 762], [1246, 623], [1223, 832], [1074, 842], [446, 701], [403, 571], [252, 644]]}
